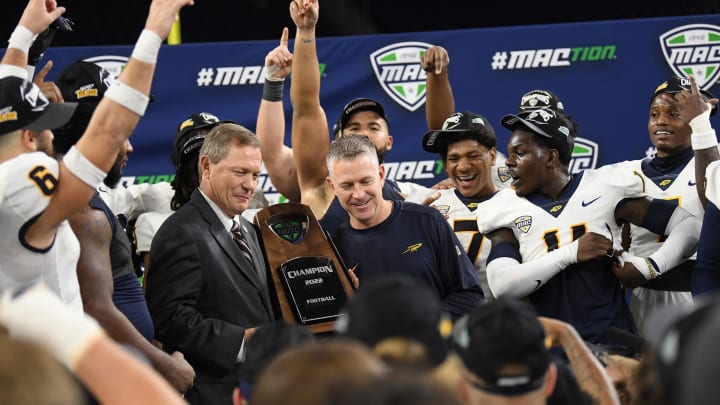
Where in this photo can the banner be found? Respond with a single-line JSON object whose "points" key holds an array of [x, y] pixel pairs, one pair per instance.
{"points": [[604, 73]]}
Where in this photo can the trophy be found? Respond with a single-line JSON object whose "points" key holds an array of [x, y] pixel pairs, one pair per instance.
{"points": [[308, 281]]}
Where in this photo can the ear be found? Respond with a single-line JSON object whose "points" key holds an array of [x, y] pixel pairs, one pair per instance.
{"points": [[28, 140], [204, 164], [389, 142], [553, 157], [493, 155], [330, 183], [381, 172], [550, 379], [464, 391]]}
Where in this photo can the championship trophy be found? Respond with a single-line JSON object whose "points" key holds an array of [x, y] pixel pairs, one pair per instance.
{"points": [[308, 281]]}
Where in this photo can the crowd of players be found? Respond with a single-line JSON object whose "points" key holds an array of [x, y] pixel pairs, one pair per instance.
{"points": [[513, 280]]}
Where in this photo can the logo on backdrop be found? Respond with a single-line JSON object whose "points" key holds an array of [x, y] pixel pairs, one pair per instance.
{"points": [[584, 156], [693, 49], [112, 63], [557, 57], [397, 67]]}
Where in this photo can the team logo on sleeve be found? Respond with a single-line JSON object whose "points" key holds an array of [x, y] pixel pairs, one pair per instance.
{"points": [[397, 67], [693, 49], [523, 223]]}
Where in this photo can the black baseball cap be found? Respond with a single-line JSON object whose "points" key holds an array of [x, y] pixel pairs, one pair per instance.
{"points": [[547, 123], [23, 106], [84, 82], [460, 124], [397, 306], [677, 84], [357, 105], [185, 138], [536, 99], [501, 333]]}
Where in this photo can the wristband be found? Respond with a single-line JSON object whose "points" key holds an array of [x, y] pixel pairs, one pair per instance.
{"points": [[273, 90], [22, 38], [703, 135], [128, 97], [646, 267], [147, 47], [13, 70], [83, 169]]}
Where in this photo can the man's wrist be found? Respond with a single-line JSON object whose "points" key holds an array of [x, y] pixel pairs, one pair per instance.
{"points": [[21, 38]]}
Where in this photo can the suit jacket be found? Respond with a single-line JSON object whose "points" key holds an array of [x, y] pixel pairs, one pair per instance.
{"points": [[202, 294]]}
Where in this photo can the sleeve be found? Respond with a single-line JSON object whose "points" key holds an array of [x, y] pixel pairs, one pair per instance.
{"points": [[136, 199], [460, 282], [173, 290], [146, 226], [706, 277], [408, 188]]}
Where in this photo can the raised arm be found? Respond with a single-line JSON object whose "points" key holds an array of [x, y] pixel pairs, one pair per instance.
{"points": [[270, 127], [84, 167], [440, 102], [696, 112], [310, 135]]}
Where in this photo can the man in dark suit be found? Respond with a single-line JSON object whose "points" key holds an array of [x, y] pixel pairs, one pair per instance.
{"points": [[207, 291]]}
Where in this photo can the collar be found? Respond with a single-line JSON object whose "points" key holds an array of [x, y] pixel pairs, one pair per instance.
{"points": [[225, 220]]}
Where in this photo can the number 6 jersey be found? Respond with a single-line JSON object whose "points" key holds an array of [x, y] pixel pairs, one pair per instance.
{"points": [[26, 184]]}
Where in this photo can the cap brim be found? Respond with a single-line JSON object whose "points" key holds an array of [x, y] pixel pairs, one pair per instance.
{"points": [[54, 116], [433, 141], [511, 121]]}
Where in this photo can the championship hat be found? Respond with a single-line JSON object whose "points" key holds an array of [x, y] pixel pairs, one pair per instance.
{"points": [[677, 84], [357, 105], [547, 123], [186, 140], [497, 334], [536, 99], [23, 106], [84, 82], [397, 306], [457, 125]]}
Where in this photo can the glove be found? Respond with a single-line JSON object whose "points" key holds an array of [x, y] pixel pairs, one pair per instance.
{"points": [[43, 40], [36, 314]]}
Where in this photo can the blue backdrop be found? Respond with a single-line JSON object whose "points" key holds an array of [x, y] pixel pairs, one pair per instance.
{"points": [[604, 72]]}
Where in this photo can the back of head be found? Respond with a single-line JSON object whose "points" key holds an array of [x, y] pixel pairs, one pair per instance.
{"points": [[23, 106], [30, 375], [315, 373], [497, 335], [552, 128], [84, 83], [400, 389], [268, 342], [401, 319]]}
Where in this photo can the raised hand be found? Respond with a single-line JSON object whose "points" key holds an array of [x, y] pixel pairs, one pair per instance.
{"points": [[689, 104], [278, 62], [163, 14], [435, 60], [305, 13], [49, 89], [39, 14]]}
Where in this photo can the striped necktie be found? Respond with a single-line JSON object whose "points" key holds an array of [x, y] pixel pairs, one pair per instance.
{"points": [[239, 238]]}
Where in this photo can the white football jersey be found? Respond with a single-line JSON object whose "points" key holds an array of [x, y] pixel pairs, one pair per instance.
{"points": [[463, 220], [677, 186], [590, 208], [26, 184]]}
